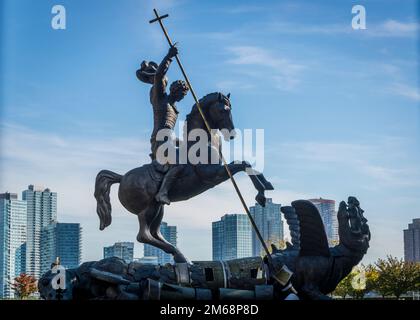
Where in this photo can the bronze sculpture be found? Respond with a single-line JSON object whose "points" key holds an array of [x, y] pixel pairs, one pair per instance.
{"points": [[139, 186], [307, 267], [145, 190]]}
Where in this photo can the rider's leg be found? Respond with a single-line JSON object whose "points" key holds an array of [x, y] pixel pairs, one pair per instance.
{"points": [[168, 180]]}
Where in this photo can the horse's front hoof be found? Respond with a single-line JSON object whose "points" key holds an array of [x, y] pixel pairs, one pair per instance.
{"points": [[179, 258], [269, 186], [261, 199]]}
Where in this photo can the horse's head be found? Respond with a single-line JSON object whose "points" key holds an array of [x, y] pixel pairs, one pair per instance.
{"points": [[219, 112]]}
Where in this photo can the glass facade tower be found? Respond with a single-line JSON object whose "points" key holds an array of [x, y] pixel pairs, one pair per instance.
{"points": [[269, 222], [122, 250], [41, 211], [63, 241], [328, 214], [231, 237], [13, 217], [412, 242]]}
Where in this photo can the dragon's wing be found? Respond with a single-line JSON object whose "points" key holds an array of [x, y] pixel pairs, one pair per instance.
{"points": [[306, 229], [294, 227]]}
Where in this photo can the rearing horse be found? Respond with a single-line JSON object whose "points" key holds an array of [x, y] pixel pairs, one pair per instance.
{"points": [[139, 186]]}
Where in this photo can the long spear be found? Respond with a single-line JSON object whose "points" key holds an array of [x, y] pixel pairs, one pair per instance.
{"points": [[257, 231]]}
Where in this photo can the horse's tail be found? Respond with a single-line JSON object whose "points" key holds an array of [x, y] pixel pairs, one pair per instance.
{"points": [[104, 180]]}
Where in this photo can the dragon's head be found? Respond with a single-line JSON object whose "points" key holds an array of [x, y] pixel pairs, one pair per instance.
{"points": [[352, 226]]}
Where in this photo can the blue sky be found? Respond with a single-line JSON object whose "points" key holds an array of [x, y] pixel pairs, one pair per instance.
{"points": [[339, 107]]}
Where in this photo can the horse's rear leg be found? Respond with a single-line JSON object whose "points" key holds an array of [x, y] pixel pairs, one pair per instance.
{"points": [[155, 232], [146, 219], [155, 225]]}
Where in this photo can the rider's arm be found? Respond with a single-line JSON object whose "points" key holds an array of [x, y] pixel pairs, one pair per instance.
{"points": [[160, 83]]}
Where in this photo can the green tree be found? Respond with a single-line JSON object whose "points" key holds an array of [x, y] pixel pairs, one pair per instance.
{"points": [[24, 285], [418, 277], [372, 275], [358, 282], [344, 288], [364, 280], [396, 277]]}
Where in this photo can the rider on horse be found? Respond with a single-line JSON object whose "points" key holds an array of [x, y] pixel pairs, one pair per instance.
{"points": [[165, 114]]}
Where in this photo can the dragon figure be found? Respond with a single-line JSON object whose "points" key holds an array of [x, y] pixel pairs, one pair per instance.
{"points": [[317, 269]]}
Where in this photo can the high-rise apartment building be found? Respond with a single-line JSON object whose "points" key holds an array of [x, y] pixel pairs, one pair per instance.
{"points": [[41, 211], [328, 214], [232, 237], [412, 241], [270, 224], [13, 216], [63, 241], [122, 250]]}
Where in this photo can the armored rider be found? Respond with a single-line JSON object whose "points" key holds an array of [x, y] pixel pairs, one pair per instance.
{"points": [[165, 114]]}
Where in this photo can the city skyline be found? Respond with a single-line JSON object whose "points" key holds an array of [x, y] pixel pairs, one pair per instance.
{"points": [[325, 206], [339, 107], [31, 237]]}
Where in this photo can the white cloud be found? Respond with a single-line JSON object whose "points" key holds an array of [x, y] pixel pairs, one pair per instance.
{"points": [[412, 93], [58, 152], [247, 8], [394, 28], [371, 161], [251, 55], [234, 85], [308, 29], [389, 28], [260, 62]]}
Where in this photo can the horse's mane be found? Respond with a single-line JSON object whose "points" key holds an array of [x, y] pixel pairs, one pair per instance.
{"points": [[204, 104]]}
